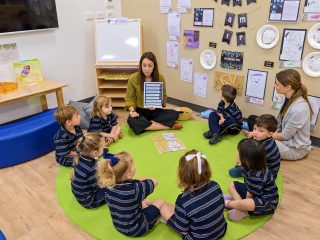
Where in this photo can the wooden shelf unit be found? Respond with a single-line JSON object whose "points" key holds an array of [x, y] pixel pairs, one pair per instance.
{"points": [[112, 80]]}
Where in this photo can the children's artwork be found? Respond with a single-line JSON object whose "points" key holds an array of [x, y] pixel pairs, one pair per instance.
{"points": [[203, 17], [231, 60], [186, 69], [165, 6], [229, 19], [292, 44], [153, 94], [8, 53], [172, 53], [311, 17], [311, 64], [167, 142], [241, 38], [311, 6], [256, 83], [200, 84], [174, 24], [234, 80], [183, 6], [314, 36], [242, 20], [277, 99], [315, 105], [191, 38], [284, 10], [28, 70], [254, 100], [227, 35]]}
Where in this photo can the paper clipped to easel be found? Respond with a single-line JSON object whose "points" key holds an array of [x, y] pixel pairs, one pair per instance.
{"points": [[28, 70]]}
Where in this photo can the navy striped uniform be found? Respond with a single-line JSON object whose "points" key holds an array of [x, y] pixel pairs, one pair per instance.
{"points": [[199, 214], [85, 186], [101, 124], [231, 111], [232, 116], [124, 202], [263, 188], [272, 155], [66, 142]]}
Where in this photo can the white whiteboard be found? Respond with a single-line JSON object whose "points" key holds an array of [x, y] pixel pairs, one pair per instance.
{"points": [[118, 42]]}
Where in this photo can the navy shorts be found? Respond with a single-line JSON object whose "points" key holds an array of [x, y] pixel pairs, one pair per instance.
{"points": [[261, 207], [152, 214]]}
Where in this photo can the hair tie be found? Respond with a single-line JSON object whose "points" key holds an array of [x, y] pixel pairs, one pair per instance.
{"points": [[112, 159], [83, 139], [199, 155]]}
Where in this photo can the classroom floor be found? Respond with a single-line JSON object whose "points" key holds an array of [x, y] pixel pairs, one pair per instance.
{"points": [[29, 209]]}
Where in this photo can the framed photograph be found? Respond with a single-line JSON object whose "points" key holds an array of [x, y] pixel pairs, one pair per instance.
{"points": [[203, 17], [292, 44], [256, 83], [284, 10]]}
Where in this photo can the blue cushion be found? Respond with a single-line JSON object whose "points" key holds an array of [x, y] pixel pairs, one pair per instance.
{"points": [[27, 139]]}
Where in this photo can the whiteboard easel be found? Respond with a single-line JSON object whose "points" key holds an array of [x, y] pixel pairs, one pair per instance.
{"points": [[118, 42]]}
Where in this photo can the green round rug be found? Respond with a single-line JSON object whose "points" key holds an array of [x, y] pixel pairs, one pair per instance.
{"points": [[163, 167]]}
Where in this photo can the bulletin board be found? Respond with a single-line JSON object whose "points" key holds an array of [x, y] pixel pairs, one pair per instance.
{"points": [[155, 39]]}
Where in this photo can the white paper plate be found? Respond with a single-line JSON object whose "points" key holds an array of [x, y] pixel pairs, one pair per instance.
{"points": [[314, 36], [311, 64], [208, 59], [267, 36]]}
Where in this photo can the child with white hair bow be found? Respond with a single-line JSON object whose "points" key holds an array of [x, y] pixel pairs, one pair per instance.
{"points": [[198, 212]]}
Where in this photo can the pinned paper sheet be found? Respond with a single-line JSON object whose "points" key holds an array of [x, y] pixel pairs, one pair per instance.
{"points": [[165, 6], [200, 85], [186, 69], [172, 53], [174, 24]]}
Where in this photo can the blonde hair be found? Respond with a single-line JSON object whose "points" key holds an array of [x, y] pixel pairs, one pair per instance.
{"points": [[65, 113], [99, 103], [292, 77], [109, 175], [86, 145], [188, 175]]}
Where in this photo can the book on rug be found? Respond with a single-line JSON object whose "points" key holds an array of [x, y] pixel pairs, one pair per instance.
{"points": [[28, 70]]}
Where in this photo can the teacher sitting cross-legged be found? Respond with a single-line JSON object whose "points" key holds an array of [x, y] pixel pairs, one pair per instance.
{"points": [[144, 119]]}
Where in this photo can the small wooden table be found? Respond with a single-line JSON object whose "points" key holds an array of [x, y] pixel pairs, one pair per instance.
{"points": [[34, 89]]}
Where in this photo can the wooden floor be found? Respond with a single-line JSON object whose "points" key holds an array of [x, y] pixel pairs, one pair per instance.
{"points": [[29, 207]]}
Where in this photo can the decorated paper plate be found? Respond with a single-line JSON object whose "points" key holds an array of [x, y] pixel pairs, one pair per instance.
{"points": [[314, 36], [208, 59], [311, 64], [267, 36]]}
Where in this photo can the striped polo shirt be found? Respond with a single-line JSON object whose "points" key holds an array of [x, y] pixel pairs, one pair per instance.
{"points": [[124, 202], [66, 142], [101, 124], [85, 185], [272, 155], [199, 214], [231, 111], [263, 188]]}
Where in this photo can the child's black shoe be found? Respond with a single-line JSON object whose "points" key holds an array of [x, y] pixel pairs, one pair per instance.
{"points": [[207, 134], [216, 137]]}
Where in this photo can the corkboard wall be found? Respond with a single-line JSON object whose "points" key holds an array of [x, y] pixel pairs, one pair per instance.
{"points": [[155, 37]]}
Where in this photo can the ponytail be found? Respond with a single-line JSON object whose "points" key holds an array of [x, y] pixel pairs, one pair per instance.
{"points": [[108, 174]]}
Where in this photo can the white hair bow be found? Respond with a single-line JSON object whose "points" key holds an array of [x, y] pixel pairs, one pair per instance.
{"points": [[199, 156]]}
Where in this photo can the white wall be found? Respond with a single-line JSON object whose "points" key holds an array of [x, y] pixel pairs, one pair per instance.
{"points": [[67, 54]]}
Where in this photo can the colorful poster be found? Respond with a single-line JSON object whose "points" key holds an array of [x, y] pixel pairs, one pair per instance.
{"points": [[231, 60], [28, 70], [191, 38]]}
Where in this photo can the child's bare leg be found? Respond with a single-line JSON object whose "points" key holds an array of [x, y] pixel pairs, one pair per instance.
{"points": [[115, 131], [167, 210], [243, 204]]}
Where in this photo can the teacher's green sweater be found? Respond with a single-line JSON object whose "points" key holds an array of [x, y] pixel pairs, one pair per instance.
{"points": [[134, 94]]}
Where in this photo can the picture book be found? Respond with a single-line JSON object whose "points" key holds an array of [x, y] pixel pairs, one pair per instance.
{"points": [[27, 70]]}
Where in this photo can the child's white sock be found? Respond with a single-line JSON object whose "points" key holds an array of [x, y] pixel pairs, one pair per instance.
{"points": [[162, 220], [236, 215]]}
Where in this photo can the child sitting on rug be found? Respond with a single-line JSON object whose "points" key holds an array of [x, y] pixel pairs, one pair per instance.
{"points": [[84, 182], [198, 213], [132, 214], [258, 195], [263, 130], [227, 119], [66, 138], [104, 120]]}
